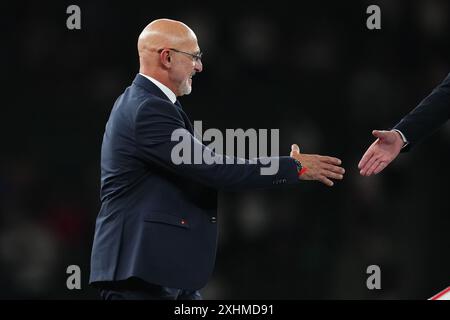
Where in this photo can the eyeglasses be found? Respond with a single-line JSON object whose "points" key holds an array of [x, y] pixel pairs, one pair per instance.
{"points": [[196, 56]]}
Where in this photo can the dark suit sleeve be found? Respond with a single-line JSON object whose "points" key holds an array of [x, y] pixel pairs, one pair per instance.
{"points": [[153, 131], [428, 116]]}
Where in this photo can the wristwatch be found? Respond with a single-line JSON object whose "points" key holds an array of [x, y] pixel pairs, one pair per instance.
{"points": [[300, 169]]}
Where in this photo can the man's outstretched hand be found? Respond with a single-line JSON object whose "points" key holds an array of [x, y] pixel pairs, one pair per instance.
{"points": [[385, 149], [320, 168]]}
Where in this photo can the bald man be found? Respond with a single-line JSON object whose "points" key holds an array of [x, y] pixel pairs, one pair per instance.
{"points": [[156, 232]]}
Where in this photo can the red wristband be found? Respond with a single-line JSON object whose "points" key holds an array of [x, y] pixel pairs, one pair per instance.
{"points": [[302, 171]]}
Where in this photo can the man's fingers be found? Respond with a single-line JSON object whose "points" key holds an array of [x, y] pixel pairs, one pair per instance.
{"points": [[332, 168], [331, 160], [333, 175], [322, 168], [326, 181]]}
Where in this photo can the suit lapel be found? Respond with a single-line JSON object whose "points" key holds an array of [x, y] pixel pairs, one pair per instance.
{"points": [[185, 117], [153, 89]]}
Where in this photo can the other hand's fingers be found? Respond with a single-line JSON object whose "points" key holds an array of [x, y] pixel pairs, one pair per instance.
{"points": [[372, 167], [380, 167], [366, 157], [368, 164]]}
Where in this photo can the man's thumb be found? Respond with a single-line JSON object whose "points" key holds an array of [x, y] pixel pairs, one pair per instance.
{"points": [[380, 134], [295, 148]]}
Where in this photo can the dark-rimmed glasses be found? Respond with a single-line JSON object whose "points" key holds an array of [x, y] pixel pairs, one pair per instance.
{"points": [[196, 56]]}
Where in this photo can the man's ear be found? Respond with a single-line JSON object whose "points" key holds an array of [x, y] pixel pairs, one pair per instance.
{"points": [[165, 58]]}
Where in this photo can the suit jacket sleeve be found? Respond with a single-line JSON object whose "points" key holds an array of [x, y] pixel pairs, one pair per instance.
{"points": [[154, 125], [428, 116]]}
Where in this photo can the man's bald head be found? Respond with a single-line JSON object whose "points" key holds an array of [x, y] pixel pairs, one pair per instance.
{"points": [[164, 33], [168, 52]]}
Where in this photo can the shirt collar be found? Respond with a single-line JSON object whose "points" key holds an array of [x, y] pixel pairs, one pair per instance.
{"points": [[169, 93]]}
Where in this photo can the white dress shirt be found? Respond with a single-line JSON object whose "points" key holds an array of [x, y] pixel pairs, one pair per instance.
{"points": [[169, 93]]}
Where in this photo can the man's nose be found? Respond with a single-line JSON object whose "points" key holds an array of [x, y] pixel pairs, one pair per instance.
{"points": [[198, 66]]}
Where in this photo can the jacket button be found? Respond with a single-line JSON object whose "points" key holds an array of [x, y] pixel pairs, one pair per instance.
{"points": [[213, 219]]}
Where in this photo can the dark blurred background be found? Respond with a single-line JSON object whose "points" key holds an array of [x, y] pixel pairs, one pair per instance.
{"points": [[314, 71]]}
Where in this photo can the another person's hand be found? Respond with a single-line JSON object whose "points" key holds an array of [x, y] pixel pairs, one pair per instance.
{"points": [[320, 168], [378, 156]]}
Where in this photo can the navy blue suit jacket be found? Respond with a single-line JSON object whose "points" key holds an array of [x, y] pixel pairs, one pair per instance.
{"points": [[429, 115], [158, 220]]}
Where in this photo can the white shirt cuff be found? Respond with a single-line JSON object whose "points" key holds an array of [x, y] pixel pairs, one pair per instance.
{"points": [[405, 142]]}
